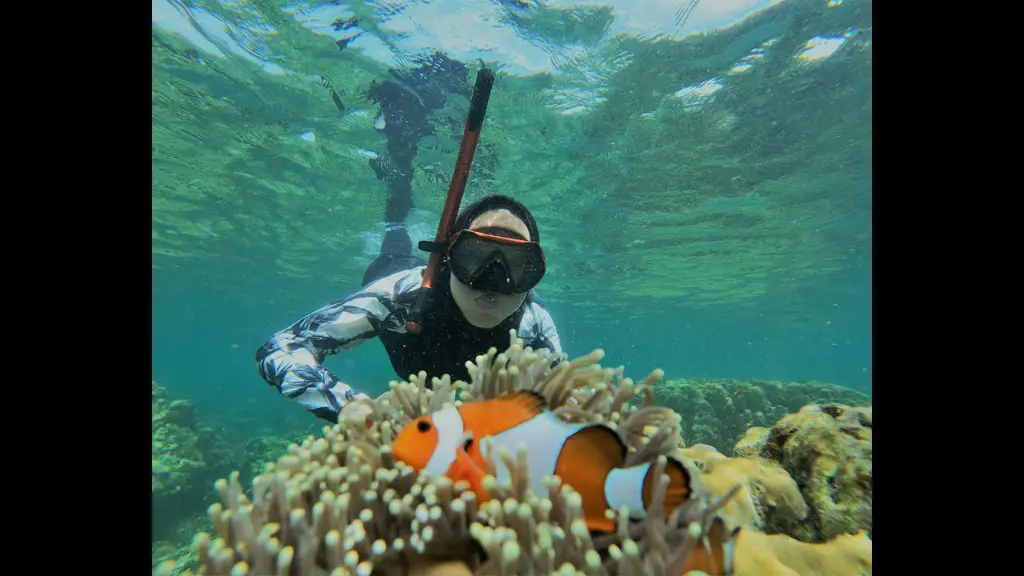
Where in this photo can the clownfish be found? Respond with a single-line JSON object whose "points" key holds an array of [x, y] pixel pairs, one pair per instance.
{"points": [[588, 457]]}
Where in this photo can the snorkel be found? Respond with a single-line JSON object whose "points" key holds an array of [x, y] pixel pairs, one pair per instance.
{"points": [[470, 137]]}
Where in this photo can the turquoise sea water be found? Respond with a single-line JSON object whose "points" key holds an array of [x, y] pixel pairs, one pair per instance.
{"points": [[700, 171]]}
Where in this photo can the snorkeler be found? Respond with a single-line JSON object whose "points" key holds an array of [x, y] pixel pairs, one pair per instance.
{"points": [[483, 289], [431, 316]]}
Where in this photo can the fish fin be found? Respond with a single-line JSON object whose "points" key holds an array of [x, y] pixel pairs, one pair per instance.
{"points": [[679, 486], [465, 469], [584, 463], [490, 417], [710, 554], [530, 401]]}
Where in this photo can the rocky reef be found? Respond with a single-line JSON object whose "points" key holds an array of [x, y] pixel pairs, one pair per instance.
{"points": [[718, 412], [188, 457], [808, 476], [826, 449], [177, 457]]}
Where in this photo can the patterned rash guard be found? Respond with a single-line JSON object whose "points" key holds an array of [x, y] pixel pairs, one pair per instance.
{"points": [[292, 360]]}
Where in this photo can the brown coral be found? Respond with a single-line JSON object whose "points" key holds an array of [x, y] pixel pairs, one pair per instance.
{"points": [[827, 451], [341, 503], [768, 499], [769, 507]]}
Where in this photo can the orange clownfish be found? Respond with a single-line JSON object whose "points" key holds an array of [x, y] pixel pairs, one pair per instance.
{"points": [[588, 457]]}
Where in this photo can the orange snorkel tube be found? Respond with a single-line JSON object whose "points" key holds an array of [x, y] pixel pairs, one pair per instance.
{"points": [[470, 137]]}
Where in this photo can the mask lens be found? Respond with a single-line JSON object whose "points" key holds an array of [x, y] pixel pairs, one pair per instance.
{"points": [[493, 263]]}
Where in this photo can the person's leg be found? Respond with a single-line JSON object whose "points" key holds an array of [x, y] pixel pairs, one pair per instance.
{"points": [[407, 120]]}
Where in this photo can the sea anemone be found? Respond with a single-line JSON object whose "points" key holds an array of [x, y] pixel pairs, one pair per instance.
{"points": [[341, 504]]}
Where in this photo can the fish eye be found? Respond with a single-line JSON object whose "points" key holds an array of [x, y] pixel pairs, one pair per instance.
{"points": [[468, 445], [423, 426]]}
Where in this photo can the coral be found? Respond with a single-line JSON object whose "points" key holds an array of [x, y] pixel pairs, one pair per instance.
{"points": [[177, 545], [718, 412], [165, 550], [826, 449], [773, 515], [768, 500], [759, 554], [188, 456], [177, 459], [341, 502]]}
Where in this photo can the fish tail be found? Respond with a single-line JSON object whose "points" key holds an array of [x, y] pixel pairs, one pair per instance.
{"points": [[634, 487], [679, 488], [713, 554]]}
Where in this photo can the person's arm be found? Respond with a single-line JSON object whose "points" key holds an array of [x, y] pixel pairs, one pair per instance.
{"points": [[292, 360], [539, 331]]}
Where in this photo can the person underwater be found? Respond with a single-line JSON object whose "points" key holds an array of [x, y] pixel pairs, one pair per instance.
{"points": [[485, 287]]}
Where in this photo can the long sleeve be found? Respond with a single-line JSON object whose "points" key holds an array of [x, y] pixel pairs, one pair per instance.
{"points": [[537, 329], [292, 359]]}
